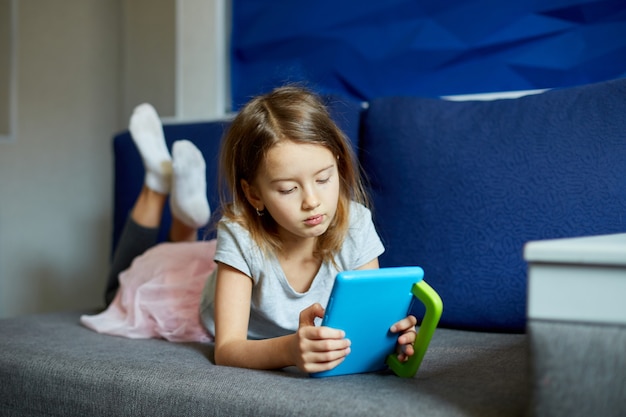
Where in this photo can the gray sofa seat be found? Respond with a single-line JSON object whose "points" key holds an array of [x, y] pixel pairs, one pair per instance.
{"points": [[52, 366]]}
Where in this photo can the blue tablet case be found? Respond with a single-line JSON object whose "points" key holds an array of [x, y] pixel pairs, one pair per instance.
{"points": [[365, 303]]}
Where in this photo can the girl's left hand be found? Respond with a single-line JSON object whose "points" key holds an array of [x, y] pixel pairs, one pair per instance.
{"points": [[406, 327]]}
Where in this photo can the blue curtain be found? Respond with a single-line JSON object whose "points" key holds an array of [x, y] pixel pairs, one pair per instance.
{"points": [[372, 48]]}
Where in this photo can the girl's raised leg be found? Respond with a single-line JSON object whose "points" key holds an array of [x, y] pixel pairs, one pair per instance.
{"points": [[147, 132], [188, 199], [142, 228]]}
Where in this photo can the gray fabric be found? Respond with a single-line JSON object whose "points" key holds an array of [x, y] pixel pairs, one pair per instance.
{"points": [[578, 369], [52, 366]]}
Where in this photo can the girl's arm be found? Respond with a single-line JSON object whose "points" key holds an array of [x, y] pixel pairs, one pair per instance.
{"points": [[311, 348], [373, 264]]}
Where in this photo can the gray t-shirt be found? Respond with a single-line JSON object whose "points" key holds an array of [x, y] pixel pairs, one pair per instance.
{"points": [[275, 305]]}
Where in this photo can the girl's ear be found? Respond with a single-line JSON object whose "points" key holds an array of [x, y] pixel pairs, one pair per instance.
{"points": [[252, 195]]}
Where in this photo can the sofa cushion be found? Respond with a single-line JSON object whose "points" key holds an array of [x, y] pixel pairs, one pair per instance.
{"points": [[459, 187], [50, 365]]}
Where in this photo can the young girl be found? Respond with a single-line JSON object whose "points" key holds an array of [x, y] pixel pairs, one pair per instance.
{"points": [[294, 215]]}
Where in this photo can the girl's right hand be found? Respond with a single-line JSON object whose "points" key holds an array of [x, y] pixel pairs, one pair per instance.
{"points": [[317, 349]]}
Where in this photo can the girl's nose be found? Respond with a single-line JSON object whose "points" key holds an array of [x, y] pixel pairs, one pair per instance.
{"points": [[310, 201]]}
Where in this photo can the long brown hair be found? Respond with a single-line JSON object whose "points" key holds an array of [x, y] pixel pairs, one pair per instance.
{"points": [[287, 113]]}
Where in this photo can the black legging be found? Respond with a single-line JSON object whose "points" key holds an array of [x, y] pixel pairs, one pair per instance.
{"points": [[134, 241]]}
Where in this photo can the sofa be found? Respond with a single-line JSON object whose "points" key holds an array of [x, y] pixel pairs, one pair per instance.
{"points": [[457, 188]]}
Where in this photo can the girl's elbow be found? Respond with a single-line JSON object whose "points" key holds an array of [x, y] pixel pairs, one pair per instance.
{"points": [[220, 357], [224, 355]]}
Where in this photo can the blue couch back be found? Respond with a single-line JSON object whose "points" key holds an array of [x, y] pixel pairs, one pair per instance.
{"points": [[459, 188]]}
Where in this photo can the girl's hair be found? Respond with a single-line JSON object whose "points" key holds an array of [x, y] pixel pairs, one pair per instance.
{"points": [[287, 113]]}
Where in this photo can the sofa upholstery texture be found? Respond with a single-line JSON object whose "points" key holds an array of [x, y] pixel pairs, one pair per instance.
{"points": [[73, 371], [458, 188]]}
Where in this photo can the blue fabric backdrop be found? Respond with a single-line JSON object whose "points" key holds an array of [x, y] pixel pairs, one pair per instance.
{"points": [[372, 48]]}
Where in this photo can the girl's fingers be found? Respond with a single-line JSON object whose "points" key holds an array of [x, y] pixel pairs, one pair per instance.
{"points": [[328, 359], [326, 345], [322, 366], [328, 356], [408, 337], [316, 358], [322, 333], [309, 314], [404, 324]]}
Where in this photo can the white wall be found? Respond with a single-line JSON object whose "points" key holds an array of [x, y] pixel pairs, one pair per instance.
{"points": [[174, 55], [148, 55], [76, 83], [55, 177], [202, 70], [6, 68]]}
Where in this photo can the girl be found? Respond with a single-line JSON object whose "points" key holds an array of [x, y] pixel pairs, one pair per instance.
{"points": [[294, 215]]}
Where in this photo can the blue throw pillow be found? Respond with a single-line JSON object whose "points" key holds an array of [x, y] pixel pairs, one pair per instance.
{"points": [[459, 187]]}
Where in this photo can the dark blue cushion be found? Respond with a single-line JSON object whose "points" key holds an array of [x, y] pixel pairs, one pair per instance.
{"points": [[458, 188]]}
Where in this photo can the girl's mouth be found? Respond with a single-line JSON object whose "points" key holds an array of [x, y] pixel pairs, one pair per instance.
{"points": [[314, 220]]}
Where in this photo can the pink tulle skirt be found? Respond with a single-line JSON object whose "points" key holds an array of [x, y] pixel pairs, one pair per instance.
{"points": [[159, 295]]}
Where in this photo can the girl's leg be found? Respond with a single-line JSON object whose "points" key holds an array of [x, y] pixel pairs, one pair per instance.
{"points": [[188, 199], [148, 208], [181, 232], [134, 240], [147, 133], [140, 233], [141, 229]]}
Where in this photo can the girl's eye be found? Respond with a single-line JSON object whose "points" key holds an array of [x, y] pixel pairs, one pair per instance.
{"points": [[323, 181], [289, 191]]}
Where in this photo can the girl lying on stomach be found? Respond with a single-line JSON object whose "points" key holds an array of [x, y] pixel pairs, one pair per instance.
{"points": [[294, 214]]}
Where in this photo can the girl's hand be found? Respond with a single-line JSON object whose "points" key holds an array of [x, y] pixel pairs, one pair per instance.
{"points": [[315, 348], [406, 327]]}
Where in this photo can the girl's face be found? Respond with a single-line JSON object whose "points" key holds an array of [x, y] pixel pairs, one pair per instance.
{"points": [[298, 184]]}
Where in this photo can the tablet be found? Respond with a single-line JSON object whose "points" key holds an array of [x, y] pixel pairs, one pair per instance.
{"points": [[365, 303]]}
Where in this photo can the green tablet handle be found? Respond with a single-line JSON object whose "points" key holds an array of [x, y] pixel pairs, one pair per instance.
{"points": [[434, 307]]}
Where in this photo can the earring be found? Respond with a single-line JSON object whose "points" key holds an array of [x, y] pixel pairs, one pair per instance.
{"points": [[259, 212]]}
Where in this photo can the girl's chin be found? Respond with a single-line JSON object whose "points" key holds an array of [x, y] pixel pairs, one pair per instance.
{"points": [[310, 233]]}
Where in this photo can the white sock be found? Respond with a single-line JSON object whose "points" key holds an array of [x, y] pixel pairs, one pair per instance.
{"points": [[147, 132], [188, 200]]}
